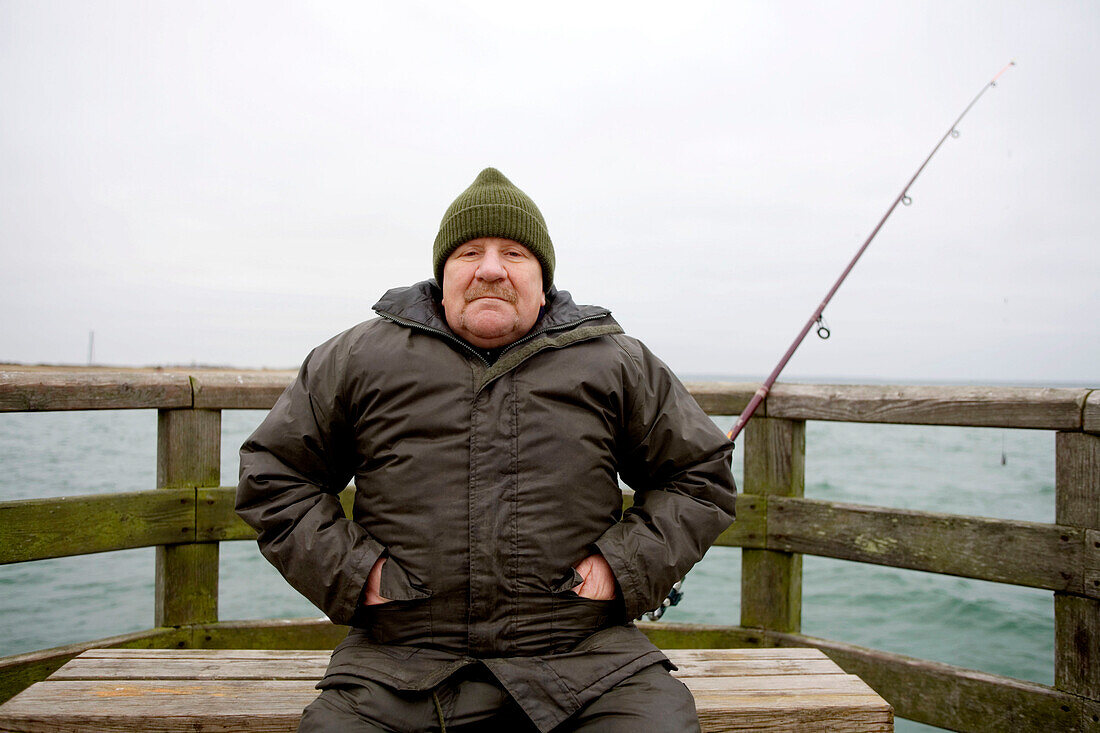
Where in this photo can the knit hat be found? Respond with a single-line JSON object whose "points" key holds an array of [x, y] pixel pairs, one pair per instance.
{"points": [[493, 207]]}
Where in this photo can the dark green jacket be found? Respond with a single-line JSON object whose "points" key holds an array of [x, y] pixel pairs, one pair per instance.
{"points": [[484, 484]]}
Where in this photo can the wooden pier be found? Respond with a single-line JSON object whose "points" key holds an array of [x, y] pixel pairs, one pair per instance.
{"points": [[189, 514]]}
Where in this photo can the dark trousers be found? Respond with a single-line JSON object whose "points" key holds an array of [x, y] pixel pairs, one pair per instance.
{"points": [[651, 700]]}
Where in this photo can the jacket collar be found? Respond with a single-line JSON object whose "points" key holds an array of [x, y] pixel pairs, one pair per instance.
{"points": [[562, 322], [420, 305]]}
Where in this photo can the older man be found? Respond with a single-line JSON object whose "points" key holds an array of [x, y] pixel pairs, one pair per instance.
{"points": [[489, 574]]}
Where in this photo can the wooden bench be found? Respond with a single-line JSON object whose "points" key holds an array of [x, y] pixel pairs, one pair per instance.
{"points": [[265, 690]]}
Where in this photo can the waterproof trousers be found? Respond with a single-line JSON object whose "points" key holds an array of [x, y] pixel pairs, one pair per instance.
{"points": [[651, 700]]}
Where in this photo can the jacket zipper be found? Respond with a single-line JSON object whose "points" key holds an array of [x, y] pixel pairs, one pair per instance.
{"points": [[442, 334]]}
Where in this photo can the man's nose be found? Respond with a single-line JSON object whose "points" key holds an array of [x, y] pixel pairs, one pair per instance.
{"points": [[491, 267]]}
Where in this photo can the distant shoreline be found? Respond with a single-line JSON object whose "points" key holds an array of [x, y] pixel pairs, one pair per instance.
{"points": [[685, 376]]}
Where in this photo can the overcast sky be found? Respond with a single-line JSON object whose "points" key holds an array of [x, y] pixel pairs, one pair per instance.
{"points": [[233, 183]]}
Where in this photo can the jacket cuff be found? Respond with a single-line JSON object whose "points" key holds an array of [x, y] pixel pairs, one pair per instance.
{"points": [[346, 601], [634, 600]]}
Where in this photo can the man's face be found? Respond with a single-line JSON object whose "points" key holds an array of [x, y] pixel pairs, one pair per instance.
{"points": [[492, 291]]}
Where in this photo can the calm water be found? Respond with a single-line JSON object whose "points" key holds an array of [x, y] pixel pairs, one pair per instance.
{"points": [[987, 626]]}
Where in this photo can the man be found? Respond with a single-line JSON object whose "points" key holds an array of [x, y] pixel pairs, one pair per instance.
{"points": [[488, 573]]}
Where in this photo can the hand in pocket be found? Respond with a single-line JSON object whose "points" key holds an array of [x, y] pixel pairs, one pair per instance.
{"points": [[599, 579]]}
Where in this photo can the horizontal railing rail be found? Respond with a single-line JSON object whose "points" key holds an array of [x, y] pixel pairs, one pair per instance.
{"points": [[1030, 554], [28, 389], [189, 514]]}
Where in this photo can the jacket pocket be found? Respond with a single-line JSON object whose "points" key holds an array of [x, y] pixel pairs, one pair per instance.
{"points": [[571, 580], [398, 586]]}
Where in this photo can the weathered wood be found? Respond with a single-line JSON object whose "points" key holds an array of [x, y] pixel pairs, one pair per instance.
{"points": [[1007, 407], [1077, 480], [775, 457], [163, 706], [1077, 619], [1092, 412], [283, 633], [771, 581], [24, 388], [188, 455], [36, 529], [188, 448], [749, 529], [28, 389], [928, 692], [197, 666], [218, 521], [176, 690], [20, 671], [239, 390], [1023, 553], [724, 398], [186, 584], [245, 664]]}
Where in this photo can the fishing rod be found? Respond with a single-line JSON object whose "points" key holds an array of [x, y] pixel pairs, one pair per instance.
{"points": [[822, 328], [677, 593]]}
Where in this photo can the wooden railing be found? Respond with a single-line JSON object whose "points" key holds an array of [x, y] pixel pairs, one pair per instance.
{"points": [[188, 514]]}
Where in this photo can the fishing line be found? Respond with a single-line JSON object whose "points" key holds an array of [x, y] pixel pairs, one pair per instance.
{"points": [[822, 329]]}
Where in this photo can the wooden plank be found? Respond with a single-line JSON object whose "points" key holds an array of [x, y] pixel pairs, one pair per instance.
{"points": [[1008, 407], [159, 705], [775, 457], [283, 633], [137, 664], [771, 581], [240, 390], [226, 663], [720, 655], [26, 389], [791, 685], [203, 667], [217, 519], [1076, 618], [188, 448], [36, 529], [724, 398], [1092, 412], [928, 692], [188, 455], [749, 528], [190, 655], [1007, 551], [714, 717], [21, 670], [755, 667]]}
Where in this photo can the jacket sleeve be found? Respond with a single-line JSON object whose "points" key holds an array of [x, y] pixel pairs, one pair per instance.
{"points": [[678, 463], [292, 469]]}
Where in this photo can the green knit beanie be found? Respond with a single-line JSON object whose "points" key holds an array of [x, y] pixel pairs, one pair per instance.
{"points": [[493, 207]]}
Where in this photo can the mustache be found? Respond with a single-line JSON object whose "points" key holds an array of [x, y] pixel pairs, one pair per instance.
{"points": [[491, 290]]}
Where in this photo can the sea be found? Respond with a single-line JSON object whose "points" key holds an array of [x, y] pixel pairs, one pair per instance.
{"points": [[980, 625]]}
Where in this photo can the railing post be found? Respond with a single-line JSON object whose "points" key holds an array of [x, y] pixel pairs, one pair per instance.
{"points": [[771, 581], [1077, 617], [188, 455]]}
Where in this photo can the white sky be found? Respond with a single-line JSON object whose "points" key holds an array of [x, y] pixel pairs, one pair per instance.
{"points": [[232, 183]]}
